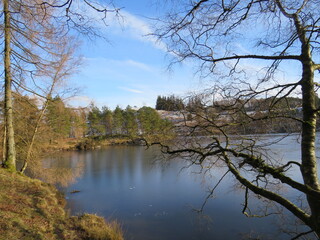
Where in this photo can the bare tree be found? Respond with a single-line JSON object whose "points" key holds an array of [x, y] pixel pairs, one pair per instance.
{"points": [[259, 53], [57, 73], [31, 32]]}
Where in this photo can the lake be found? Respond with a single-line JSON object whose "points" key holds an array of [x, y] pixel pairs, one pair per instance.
{"points": [[155, 199]]}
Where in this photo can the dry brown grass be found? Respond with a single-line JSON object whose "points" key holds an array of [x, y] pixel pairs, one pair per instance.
{"points": [[31, 209], [94, 227]]}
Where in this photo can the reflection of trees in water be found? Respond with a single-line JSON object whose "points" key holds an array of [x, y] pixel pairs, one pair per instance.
{"points": [[62, 169]]}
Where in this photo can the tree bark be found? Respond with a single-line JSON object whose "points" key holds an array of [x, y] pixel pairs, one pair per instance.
{"points": [[308, 157], [10, 153], [30, 148], [309, 169]]}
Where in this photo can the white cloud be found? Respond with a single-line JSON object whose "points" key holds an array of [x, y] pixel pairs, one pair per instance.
{"points": [[125, 23], [241, 48], [140, 65], [136, 28], [101, 62], [131, 90]]}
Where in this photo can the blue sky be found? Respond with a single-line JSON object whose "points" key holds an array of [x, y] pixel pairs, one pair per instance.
{"points": [[130, 68]]}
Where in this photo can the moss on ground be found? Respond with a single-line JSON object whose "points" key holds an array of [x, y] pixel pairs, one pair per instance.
{"points": [[33, 210]]}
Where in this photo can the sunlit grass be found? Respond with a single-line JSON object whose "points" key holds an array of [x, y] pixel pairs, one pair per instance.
{"points": [[31, 209]]}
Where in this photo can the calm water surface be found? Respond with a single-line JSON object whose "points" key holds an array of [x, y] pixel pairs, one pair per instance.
{"points": [[155, 200]]}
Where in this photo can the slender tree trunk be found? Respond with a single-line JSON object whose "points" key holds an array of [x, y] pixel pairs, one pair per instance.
{"points": [[308, 155], [4, 142], [34, 134], [10, 157]]}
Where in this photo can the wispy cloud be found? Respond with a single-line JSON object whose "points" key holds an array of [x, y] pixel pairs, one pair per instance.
{"points": [[140, 65], [131, 90], [129, 63], [125, 23], [140, 29], [241, 48]]}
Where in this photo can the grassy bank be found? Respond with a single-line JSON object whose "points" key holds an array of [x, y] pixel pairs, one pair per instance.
{"points": [[33, 210]]}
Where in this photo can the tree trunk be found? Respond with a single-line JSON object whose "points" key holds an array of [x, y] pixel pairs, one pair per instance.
{"points": [[308, 156], [4, 142], [10, 157], [30, 148]]}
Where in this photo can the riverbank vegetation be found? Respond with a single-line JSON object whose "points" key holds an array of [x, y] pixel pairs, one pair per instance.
{"points": [[59, 127], [131, 122], [32, 209]]}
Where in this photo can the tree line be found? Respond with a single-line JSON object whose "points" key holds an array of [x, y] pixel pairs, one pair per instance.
{"points": [[200, 101], [38, 128], [61, 121], [129, 122], [176, 103]]}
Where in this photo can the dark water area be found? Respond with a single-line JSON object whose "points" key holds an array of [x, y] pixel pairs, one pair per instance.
{"points": [[153, 199]]}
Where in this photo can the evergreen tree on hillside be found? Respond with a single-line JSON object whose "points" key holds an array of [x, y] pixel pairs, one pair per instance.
{"points": [[95, 124], [107, 120], [171, 103], [130, 122], [118, 121]]}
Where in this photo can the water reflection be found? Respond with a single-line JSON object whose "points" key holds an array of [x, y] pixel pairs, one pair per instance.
{"points": [[156, 201], [62, 169]]}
